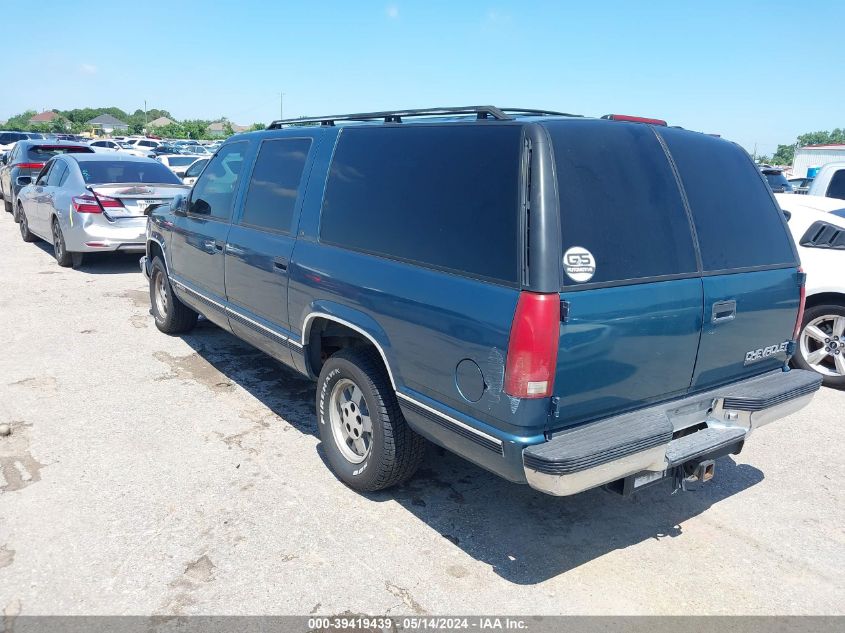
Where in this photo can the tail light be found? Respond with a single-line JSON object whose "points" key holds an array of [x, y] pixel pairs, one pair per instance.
{"points": [[29, 165], [532, 350], [89, 203], [802, 279], [634, 119]]}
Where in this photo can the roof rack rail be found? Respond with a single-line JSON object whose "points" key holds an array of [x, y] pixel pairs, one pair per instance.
{"points": [[539, 112], [396, 116]]}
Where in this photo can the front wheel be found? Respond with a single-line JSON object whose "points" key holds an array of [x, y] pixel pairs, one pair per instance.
{"points": [[368, 443], [170, 314], [821, 343]]}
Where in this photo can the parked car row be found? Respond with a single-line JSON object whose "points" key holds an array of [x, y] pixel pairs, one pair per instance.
{"points": [[566, 302]]}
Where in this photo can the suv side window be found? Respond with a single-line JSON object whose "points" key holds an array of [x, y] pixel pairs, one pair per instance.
{"points": [[215, 189], [737, 222], [836, 188], [57, 174], [446, 196], [274, 187], [619, 202]]}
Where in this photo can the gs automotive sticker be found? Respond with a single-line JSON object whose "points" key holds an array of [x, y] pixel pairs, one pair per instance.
{"points": [[579, 264]]}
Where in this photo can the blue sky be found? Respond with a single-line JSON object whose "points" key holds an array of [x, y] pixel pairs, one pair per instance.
{"points": [[755, 72]]}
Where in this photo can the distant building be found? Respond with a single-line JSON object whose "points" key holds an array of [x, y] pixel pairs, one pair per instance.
{"points": [[816, 156], [161, 121], [218, 128], [107, 124], [45, 117]]}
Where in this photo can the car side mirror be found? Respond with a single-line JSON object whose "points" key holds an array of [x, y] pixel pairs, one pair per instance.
{"points": [[180, 206], [23, 181]]}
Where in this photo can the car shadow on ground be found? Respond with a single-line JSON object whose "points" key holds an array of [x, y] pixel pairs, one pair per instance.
{"points": [[525, 536], [100, 263]]}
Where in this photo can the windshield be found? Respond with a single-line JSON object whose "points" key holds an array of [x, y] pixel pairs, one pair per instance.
{"points": [[180, 161], [777, 181], [101, 172]]}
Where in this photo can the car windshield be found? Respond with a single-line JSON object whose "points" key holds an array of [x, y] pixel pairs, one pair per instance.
{"points": [[101, 172], [43, 153], [180, 161], [777, 181]]}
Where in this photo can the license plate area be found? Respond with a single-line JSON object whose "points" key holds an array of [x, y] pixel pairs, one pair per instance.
{"points": [[639, 481]]}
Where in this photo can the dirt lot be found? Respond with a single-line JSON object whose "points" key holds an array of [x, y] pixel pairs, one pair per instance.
{"points": [[148, 474]]}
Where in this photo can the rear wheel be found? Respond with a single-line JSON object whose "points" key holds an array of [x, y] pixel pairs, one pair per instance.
{"points": [[8, 205], [368, 443], [821, 343], [63, 258], [171, 315], [26, 234]]}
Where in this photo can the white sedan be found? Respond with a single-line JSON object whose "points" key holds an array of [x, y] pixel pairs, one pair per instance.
{"points": [[820, 238]]}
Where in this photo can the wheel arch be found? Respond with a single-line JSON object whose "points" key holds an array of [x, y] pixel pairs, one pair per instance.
{"points": [[825, 298]]}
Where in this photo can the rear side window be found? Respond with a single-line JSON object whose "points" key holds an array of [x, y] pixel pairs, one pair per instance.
{"points": [[57, 173], [274, 187], [619, 202], [737, 222], [836, 188], [442, 196]]}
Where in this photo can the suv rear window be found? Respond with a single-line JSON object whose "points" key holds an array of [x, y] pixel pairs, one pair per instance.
{"points": [[619, 201], [736, 218], [43, 153], [102, 171], [442, 196], [777, 181]]}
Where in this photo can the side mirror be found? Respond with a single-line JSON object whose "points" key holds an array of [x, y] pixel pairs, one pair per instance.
{"points": [[23, 181], [179, 205]]}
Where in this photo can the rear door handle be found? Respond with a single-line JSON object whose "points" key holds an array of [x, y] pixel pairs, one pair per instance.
{"points": [[723, 311], [280, 264]]}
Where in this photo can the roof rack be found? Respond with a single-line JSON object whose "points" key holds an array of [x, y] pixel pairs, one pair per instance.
{"points": [[396, 116]]}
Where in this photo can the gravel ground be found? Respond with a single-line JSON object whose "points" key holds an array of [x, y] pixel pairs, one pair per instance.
{"points": [[148, 474]]}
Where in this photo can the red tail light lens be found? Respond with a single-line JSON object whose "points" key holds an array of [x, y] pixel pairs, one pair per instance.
{"points": [[532, 350], [29, 165], [801, 302], [89, 203], [634, 119]]}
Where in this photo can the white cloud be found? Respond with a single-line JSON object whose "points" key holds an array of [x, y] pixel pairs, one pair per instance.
{"points": [[392, 11], [88, 69]]}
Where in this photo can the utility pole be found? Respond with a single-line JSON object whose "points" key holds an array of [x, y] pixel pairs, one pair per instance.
{"points": [[281, 105], [145, 116]]}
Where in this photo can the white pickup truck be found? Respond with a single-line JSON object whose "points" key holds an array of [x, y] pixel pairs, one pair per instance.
{"points": [[829, 182]]}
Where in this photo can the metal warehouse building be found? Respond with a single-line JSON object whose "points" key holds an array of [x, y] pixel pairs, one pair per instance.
{"points": [[816, 156]]}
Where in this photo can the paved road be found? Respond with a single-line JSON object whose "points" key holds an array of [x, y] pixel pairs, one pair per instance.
{"points": [[149, 474]]}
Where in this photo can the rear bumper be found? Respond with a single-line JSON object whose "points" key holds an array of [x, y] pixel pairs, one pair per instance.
{"points": [[93, 233], [651, 440], [143, 264]]}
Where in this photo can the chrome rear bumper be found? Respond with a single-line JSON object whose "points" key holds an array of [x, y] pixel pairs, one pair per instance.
{"points": [[143, 264], [600, 452]]}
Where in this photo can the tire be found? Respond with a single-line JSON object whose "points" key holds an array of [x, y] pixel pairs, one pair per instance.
{"points": [[821, 343], [8, 205], [170, 314], [60, 252], [26, 234], [386, 455]]}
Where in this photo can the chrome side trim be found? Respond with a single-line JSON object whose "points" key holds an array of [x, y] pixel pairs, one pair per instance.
{"points": [[490, 438], [236, 313], [352, 326]]}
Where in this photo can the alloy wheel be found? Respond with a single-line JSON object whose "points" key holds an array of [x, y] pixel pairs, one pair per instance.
{"points": [[352, 427], [822, 344]]}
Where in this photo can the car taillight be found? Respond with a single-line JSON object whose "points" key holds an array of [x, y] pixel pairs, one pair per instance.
{"points": [[802, 300], [634, 119], [29, 165], [532, 349], [90, 204]]}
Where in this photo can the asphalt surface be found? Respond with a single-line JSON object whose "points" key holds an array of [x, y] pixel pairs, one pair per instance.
{"points": [[148, 474]]}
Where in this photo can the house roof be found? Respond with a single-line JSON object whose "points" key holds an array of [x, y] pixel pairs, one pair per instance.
{"points": [[217, 126], [107, 119], [45, 117], [161, 121]]}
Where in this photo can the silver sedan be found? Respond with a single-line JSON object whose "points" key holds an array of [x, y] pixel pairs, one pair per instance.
{"points": [[85, 203]]}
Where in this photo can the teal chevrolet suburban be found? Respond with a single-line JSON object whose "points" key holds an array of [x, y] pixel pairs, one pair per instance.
{"points": [[567, 302]]}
